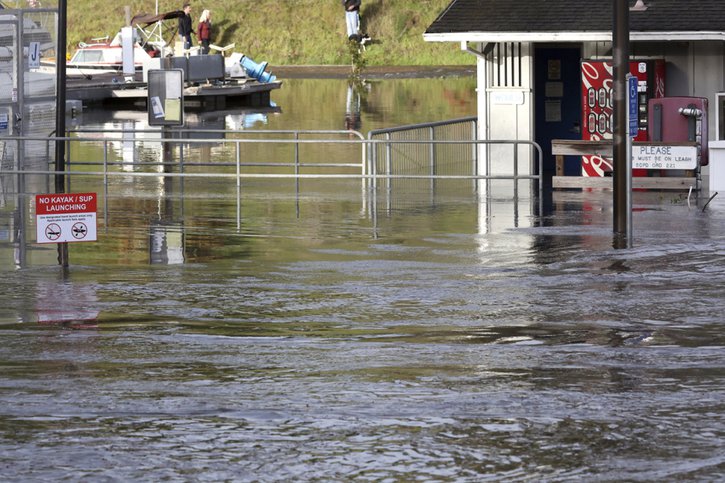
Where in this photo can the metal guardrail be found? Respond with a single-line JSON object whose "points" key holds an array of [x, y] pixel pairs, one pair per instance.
{"points": [[436, 149], [186, 139], [367, 166], [402, 157], [363, 169]]}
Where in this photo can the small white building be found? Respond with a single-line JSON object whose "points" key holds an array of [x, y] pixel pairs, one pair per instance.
{"points": [[530, 55]]}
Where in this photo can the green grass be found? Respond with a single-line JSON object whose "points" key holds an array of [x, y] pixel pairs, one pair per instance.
{"points": [[291, 32]]}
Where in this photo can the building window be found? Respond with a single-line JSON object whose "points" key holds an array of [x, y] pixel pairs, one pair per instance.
{"points": [[507, 65]]}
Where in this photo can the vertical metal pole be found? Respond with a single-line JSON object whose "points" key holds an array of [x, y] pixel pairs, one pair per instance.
{"points": [[239, 160], [297, 153], [516, 184], [621, 68], [374, 164], [388, 156], [239, 187], [628, 189], [374, 174], [105, 183], [60, 115], [363, 171], [540, 154], [166, 154], [374, 194], [474, 146], [432, 159], [105, 162], [60, 97], [297, 174], [632, 119], [388, 170]]}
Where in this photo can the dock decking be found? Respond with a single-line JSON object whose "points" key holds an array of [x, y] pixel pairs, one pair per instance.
{"points": [[114, 90]]}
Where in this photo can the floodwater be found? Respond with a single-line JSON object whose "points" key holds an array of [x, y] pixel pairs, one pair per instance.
{"points": [[314, 332]]}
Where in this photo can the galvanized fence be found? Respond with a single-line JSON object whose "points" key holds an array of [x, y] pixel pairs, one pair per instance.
{"points": [[213, 153], [437, 155], [416, 149], [406, 164]]}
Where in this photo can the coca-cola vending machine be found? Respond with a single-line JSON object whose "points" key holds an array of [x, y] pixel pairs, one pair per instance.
{"points": [[597, 81]]}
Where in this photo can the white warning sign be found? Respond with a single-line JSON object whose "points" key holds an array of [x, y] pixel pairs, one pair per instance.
{"points": [[664, 157], [65, 217]]}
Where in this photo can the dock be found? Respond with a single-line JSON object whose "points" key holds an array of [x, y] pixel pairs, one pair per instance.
{"points": [[114, 91]]}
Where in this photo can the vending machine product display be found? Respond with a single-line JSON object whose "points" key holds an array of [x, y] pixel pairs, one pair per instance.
{"points": [[597, 81]]}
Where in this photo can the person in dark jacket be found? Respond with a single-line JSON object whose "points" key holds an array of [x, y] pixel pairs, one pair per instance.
{"points": [[185, 29], [352, 18], [203, 31]]}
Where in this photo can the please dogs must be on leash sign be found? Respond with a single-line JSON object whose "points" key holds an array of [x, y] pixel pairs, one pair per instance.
{"points": [[65, 217]]}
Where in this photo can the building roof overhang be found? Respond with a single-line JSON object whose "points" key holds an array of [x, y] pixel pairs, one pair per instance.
{"points": [[540, 37], [495, 21]]}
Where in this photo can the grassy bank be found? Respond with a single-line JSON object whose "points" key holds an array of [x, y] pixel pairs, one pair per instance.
{"points": [[292, 32]]}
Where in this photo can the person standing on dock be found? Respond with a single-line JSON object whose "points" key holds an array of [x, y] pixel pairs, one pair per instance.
{"points": [[352, 18], [203, 31], [185, 29]]}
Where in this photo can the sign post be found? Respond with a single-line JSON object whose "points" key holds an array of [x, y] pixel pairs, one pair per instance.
{"points": [[66, 217], [632, 131], [620, 57], [165, 103]]}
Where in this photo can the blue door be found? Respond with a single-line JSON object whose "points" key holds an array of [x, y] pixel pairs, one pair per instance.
{"points": [[557, 102]]}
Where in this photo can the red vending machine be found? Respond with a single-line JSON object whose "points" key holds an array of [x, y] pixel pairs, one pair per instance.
{"points": [[597, 81]]}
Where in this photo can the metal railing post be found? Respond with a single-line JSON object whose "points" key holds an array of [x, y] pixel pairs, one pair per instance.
{"points": [[388, 156], [474, 153], [388, 172], [105, 162], [374, 173], [432, 152], [239, 164], [297, 153], [238, 159], [432, 155]]}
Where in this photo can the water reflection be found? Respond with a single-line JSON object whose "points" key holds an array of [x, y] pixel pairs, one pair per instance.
{"points": [[133, 126], [355, 88], [166, 232], [67, 302]]}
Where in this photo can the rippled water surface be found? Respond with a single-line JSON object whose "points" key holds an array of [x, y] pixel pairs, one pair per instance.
{"points": [[316, 332]]}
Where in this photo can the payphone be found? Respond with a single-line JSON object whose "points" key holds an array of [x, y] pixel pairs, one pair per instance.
{"points": [[680, 120]]}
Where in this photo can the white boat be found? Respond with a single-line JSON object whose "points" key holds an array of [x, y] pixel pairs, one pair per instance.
{"points": [[105, 55]]}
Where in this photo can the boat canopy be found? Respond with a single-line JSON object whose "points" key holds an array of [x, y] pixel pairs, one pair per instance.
{"points": [[148, 18]]}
